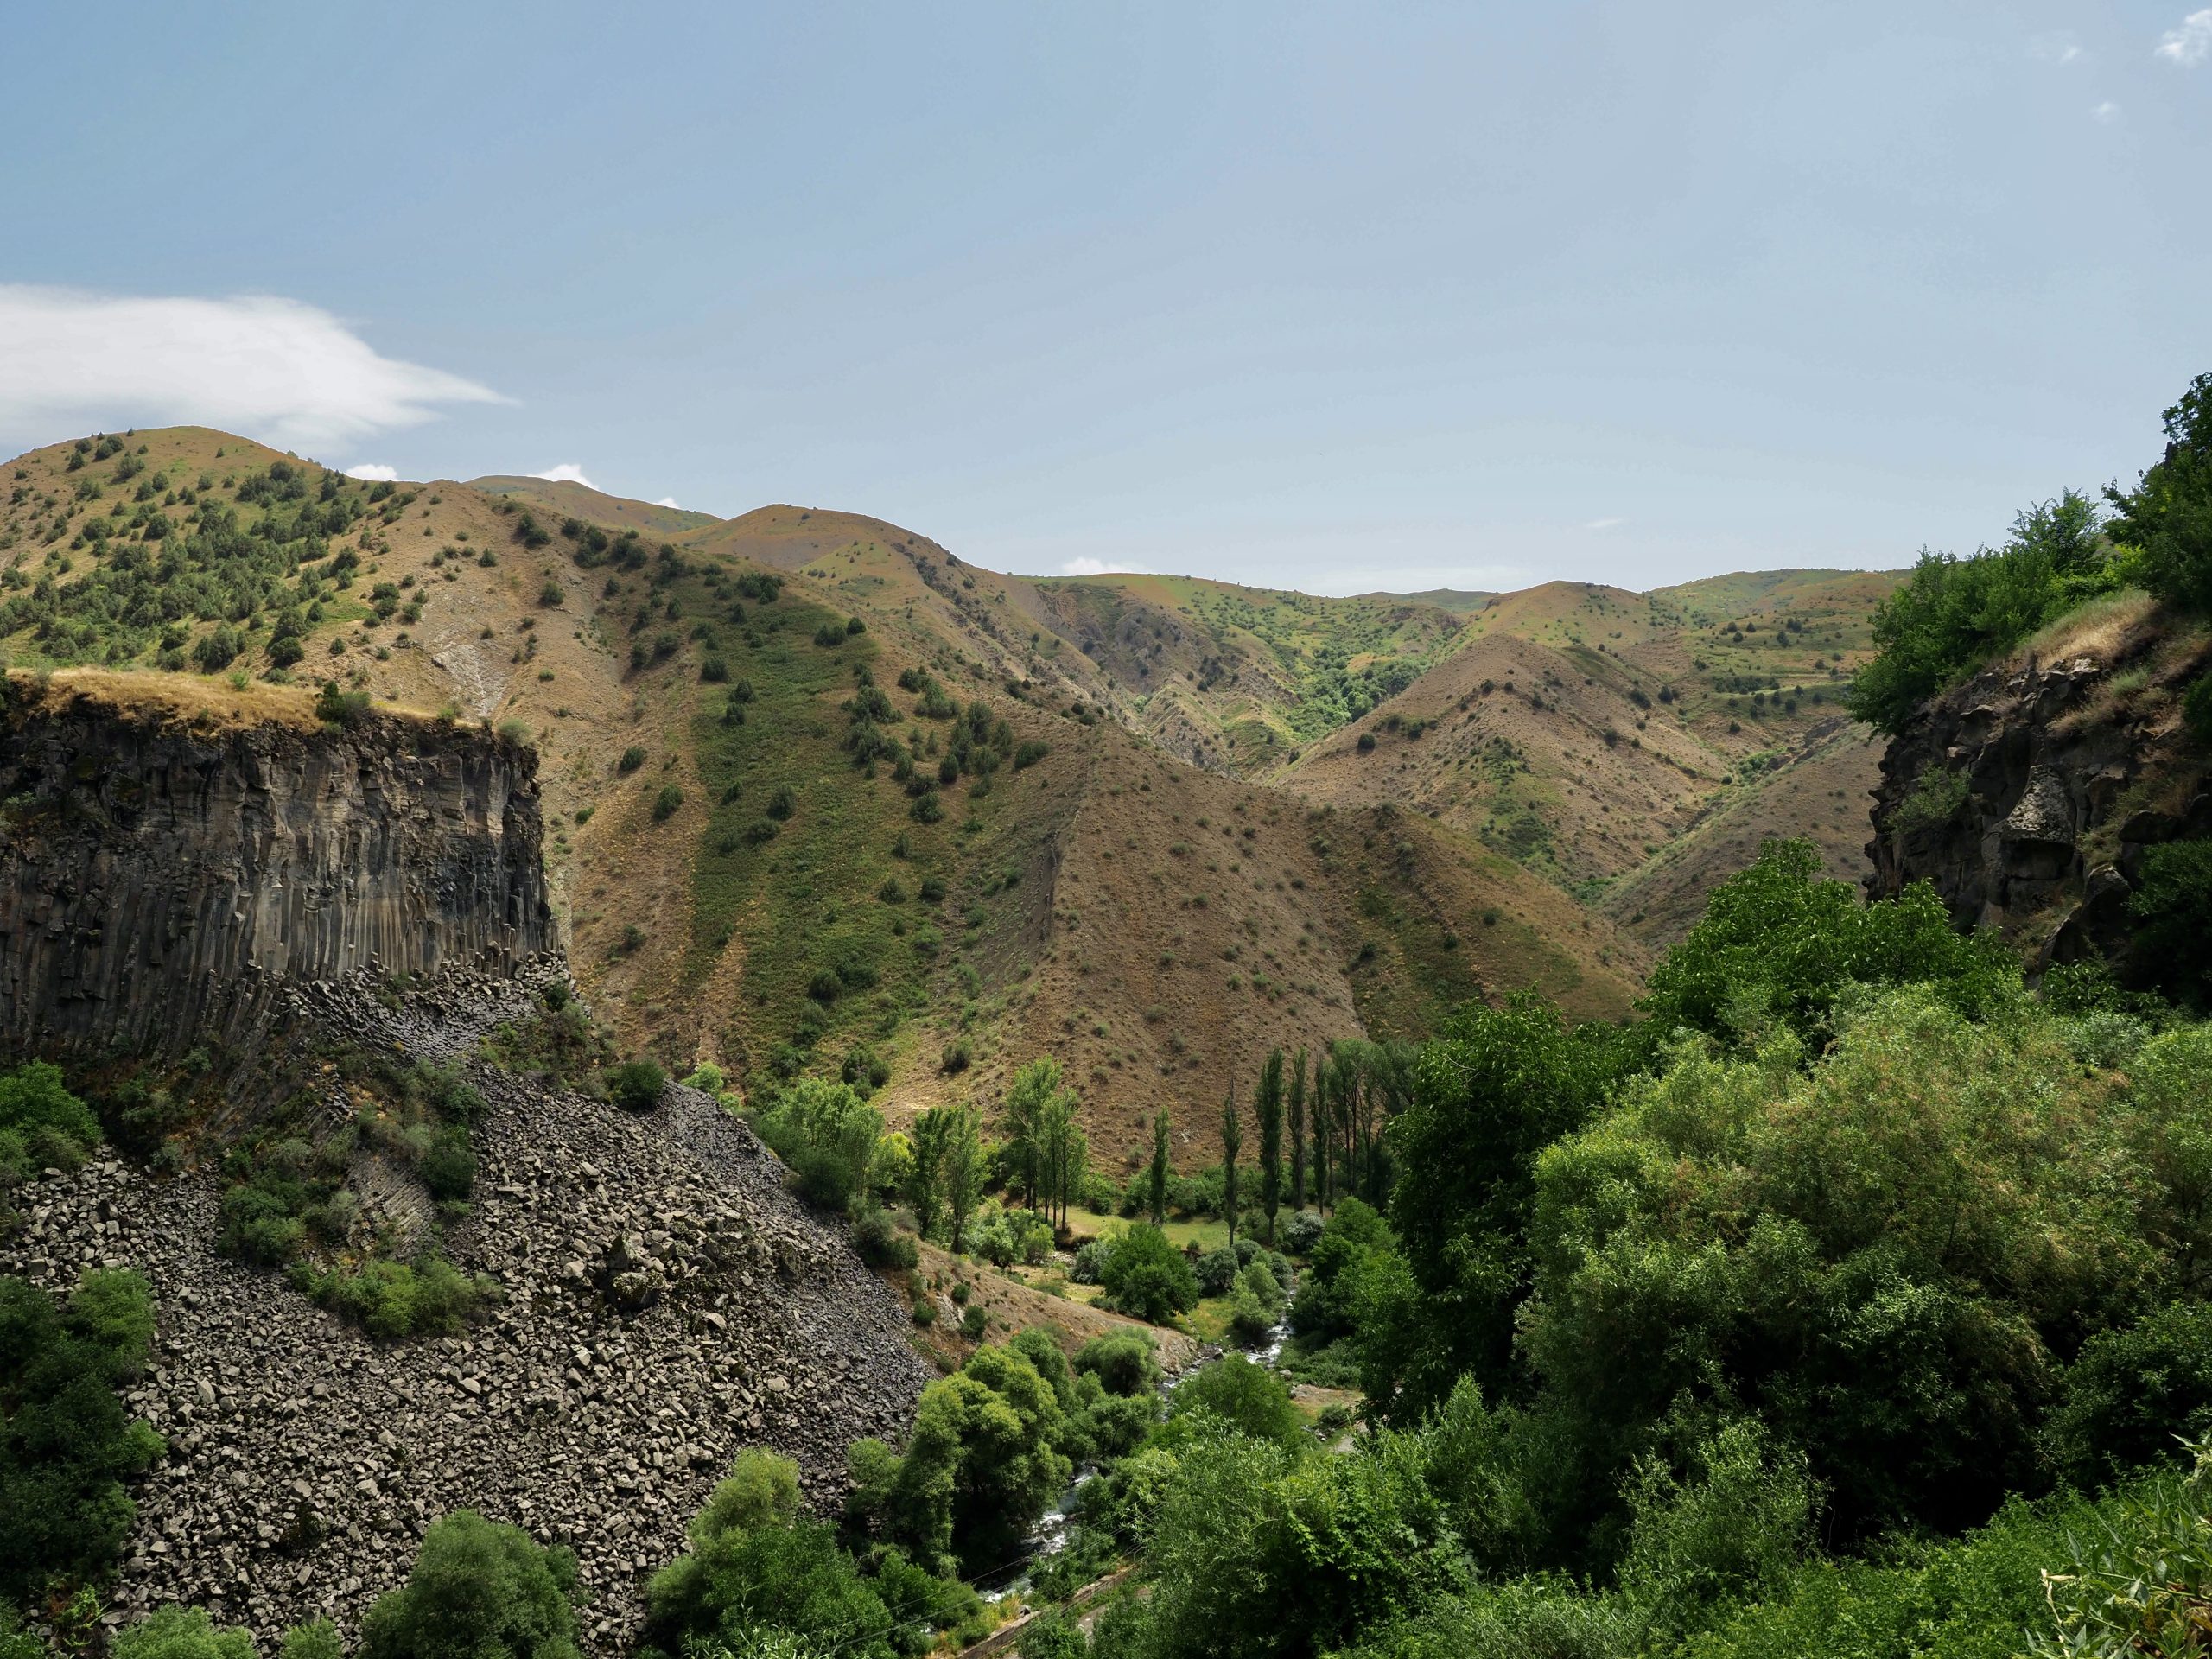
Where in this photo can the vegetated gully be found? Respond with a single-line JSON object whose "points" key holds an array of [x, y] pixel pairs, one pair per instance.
{"points": [[1050, 1536]]}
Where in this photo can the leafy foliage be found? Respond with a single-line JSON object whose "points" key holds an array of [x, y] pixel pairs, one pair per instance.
{"points": [[67, 1445], [478, 1590]]}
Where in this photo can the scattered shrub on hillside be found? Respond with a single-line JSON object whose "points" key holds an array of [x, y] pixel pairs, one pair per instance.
{"points": [[427, 1297], [636, 1085], [478, 1590], [632, 758], [666, 803], [882, 1244]]}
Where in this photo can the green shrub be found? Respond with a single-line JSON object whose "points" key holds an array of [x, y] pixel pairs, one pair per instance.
{"points": [[632, 758], [2130, 1392], [478, 1590], [336, 707], [973, 1321], [1123, 1363], [392, 1301], [180, 1633], [636, 1085], [882, 1244], [2172, 905], [666, 803]]}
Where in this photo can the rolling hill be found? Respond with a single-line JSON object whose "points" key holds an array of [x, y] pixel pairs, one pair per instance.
{"points": [[825, 796]]}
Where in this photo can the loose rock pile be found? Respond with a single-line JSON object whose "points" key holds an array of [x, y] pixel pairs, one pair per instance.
{"points": [[667, 1304]]}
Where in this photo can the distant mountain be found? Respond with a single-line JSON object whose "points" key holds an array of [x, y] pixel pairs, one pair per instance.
{"points": [[1153, 824]]}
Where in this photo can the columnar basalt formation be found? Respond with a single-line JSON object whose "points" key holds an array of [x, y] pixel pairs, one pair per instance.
{"points": [[165, 870]]}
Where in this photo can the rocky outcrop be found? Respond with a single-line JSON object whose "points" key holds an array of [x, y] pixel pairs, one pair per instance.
{"points": [[2029, 795], [166, 871], [664, 1304]]}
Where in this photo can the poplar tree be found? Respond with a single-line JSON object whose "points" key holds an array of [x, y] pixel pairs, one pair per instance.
{"points": [[1159, 1170], [1297, 1102], [1232, 1142], [964, 1169], [1268, 1102]]}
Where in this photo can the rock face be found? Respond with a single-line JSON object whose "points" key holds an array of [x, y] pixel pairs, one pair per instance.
{"points": [[162, 878], [2029, 795]]}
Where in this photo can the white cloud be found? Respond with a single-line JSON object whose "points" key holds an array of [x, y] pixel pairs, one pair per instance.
{"points": [[1089, 567], [2192, 43], [373, 471], [2107, 112], [567, 473], [272, 368], [669, 501], [1604, 524], [2059, 46]]}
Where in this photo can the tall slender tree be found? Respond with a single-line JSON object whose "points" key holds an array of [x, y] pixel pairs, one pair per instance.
{"points": [[1324, 1129], [925, 1177], [1033, 1086], [1062, 1151], [1267, 1102], [964, 1169], [1232, 1143], [1296, 1102], [1158, 1192]]}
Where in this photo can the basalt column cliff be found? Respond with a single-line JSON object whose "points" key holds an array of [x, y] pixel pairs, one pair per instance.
{"points": [[165, 868]]}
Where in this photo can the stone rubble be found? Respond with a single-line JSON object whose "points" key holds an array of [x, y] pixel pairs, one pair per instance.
{"points": [[667, 1303]]}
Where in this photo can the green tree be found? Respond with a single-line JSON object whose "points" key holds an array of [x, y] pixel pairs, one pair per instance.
{"points": [[181, 1633], [1146, 1277], [478, 1590], [67, 1445], [1063, 1151], [1296, 1103], [980, 1465], [1033, 1087], [1496, 1087], [827, 1135], [924, 1187], [1158, 1179], [1232, 1143], [964, 1169], [1267, 1102], [1778, 945], [2168, 515]]}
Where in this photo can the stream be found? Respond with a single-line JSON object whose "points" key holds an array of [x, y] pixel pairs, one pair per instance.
{"points": [[1050, 1536]]}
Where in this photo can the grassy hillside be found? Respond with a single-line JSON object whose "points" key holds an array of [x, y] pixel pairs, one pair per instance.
{"points": [[824, 796]]}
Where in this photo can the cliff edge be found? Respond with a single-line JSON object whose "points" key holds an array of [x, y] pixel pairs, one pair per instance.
{"points": [[2029, 795], [170, 857]]}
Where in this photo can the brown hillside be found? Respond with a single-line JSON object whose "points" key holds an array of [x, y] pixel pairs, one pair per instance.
{"points": [[569, 499]]}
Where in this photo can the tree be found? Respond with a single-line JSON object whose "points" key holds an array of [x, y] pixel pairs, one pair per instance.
{"points": [[1032, 1088], [180, 1633], [1297, 1126], [636, 1085], [1146, 1277], [2168, 515], [981, 1463], [1323, 1093], [1059, 1153], [924, 1188], [755, 1563], [827, 1135], [1232, 1143], [1268, 1102], [478, 1590], [964, 1169], [1158, 1175], [66, 1444]]}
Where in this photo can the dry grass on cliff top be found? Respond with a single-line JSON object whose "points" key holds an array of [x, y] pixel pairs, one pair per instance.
{"points": [[200, 701]]}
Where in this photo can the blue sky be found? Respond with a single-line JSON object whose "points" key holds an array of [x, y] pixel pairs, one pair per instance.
{"points": [[1340, 297]]}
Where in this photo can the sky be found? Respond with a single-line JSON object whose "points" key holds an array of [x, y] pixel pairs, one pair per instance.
{"points": [[1329, 296]]}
